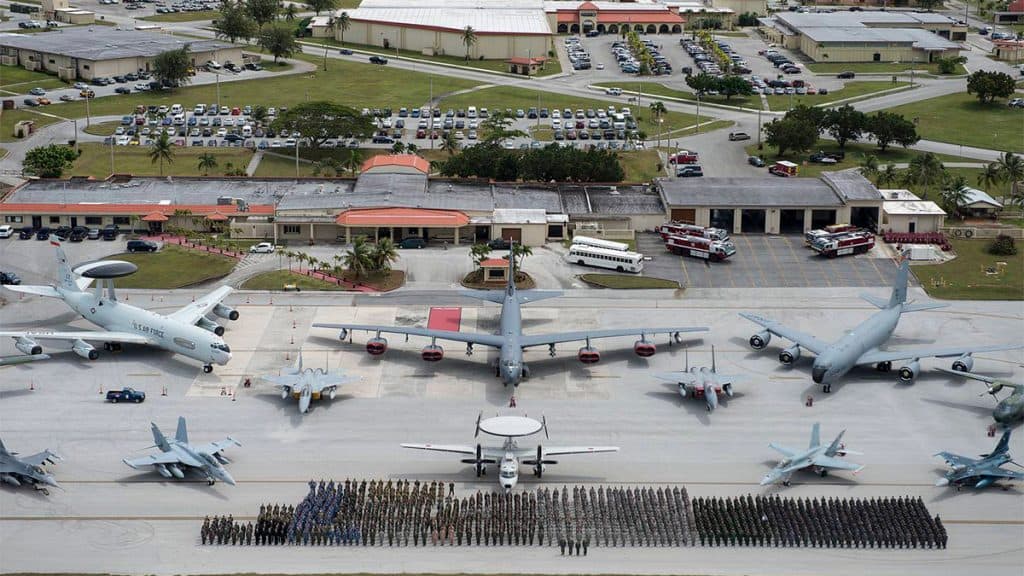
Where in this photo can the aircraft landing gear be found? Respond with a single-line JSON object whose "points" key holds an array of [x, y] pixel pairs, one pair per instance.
{"points": [[883, 366], [210, 482], [823, 472], [207, 368], [551, 350], [112, 346], [786, 482], [826, 388]]}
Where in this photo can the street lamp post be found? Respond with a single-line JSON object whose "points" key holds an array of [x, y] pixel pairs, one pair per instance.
{"points": [[698, 112]]}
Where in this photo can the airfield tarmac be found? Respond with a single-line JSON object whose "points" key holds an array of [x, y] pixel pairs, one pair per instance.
{"points": [[110, 518]]}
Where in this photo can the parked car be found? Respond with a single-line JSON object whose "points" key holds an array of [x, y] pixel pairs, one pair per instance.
{"points": [[26, 233], [413, 242], [1016, 103], [79, 233], [262, 248], [847, 74], [755, 161], [378, 60], [345, 52], [825, 158], [734, 136], [499, 244], [6, 231], [43, 234], [94, 234], [37, 91], [142, 246], [9, 278], [126, 395], [689, 171]]}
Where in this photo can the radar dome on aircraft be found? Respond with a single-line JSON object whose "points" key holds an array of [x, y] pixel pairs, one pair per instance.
{"points": [[106, 269]]}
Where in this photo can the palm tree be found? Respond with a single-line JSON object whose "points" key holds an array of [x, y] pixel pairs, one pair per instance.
{"points": [[468, 38], [449, 144], [657, 109], [353, 160], [398, 147], [207, 161], [357, 258], [869, 167], [954, 195], [991, 176], [343, 23], [383, 254], [1012, 168], [520, 251], [412, 148], [162, 150], [889, 175], [290, 12], [926, 171], [479, 253]]}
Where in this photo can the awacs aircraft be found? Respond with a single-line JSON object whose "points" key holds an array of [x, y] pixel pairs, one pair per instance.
{"points": [[820, 458], [510, 455], [701, 382], [1008, 410], [28, 470], [187, 332], [510, 341], [980, 473], [308, 384], [860, 346], [176, 453]]}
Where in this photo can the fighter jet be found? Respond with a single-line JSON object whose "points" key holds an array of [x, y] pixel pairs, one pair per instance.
{"points": [[860, 346], [176, 453], [510, 340], [980, 473], [308, 384], [509, 456], [701, 382], [28, 470], [187, 331], [820, 458], [1010, 409]]}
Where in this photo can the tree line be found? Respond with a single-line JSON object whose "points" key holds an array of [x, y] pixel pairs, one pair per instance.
{"points": [[550, 163], [801, 127]]}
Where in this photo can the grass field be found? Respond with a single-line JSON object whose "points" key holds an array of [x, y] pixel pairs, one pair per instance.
{"points": [[961, 119], [95, 161], [850, 90], [277, 280], [650, 91], [877, 67], [102, 129], [280, 164], [965, 277], [16, 79], [12, 117], [184, 16], [174, 267], [621, 282], [855, 153], [641, 165]]}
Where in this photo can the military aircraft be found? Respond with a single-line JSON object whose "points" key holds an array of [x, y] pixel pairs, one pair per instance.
{"points": [[510, 340], [176, 453], [509, 456], [1010, 409], [860, 346], [701, 382], [980, 473], [820, 458], [28, 470], [187, 331], [308, 384]]}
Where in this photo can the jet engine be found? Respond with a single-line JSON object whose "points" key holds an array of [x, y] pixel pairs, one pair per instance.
{"points": [[963, 363], [790, 355], [727, 388], [910, 371], [285, 392], [85, 350], [644, 349], [760, 340], [343, 334], [162, 470], [432, 353], [175, 471], [376, 346], [27, 345], [682, 390], [332, 392], [222, 459], [589, 355], [211, 326], [10, 480], [225, 312]]}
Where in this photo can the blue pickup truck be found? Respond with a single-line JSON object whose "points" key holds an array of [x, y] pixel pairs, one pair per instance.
{"points": [[126, 395]]}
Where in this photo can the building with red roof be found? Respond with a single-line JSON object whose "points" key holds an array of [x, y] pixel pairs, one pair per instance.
{"points": [[396, 163], [1013, 14], [611, 17]]}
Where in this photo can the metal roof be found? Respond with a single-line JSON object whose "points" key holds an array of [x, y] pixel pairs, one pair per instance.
{"points": [[867, 18], [975, 196], [917, 38], [851, 185], [491, 20], [166, 191], [95, 43], [912, 208], [765, 192], [520, 216]]}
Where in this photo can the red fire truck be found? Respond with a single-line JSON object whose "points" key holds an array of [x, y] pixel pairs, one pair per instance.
{"points": [[844, 244], [830, 230], [706, 248], [686, 229]]}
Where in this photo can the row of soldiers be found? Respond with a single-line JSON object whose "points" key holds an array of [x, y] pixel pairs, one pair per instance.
{"points": [[224, 530], [823, 523]]}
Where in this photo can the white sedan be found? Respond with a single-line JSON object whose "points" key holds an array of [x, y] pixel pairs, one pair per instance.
{"points": [[262, 248]]}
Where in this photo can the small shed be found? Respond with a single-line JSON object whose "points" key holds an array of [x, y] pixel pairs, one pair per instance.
{"points": [[495, 270], [525, 66], [978, 203], [24, 128], [904, 212]]}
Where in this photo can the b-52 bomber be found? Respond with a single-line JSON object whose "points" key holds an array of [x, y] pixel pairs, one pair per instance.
{"points": [[817, 457], [1008, 410], [176, 453], [308, 384], [510, 340], [861, 346], [28, 470], [701, 382], [187, 331], [983, 472]]}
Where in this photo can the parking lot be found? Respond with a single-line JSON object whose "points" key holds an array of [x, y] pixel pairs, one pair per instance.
{"points": [[766, 262]]}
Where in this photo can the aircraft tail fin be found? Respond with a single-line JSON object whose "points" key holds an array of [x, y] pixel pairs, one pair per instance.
{"points": [[495, 296], [159, 439], [181, 434], [298, 366], [1003, 446], [920, 307], [65, 278], [510, 283], [815, 435], [713, 367], [835, 445], [899, 285], [3, 449], [875, 301]]}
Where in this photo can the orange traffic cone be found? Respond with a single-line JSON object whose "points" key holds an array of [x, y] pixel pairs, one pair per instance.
{"points": [[292, 339], [101, 388], [32, 385], [287, 355], [246, 298], [164, 391]]}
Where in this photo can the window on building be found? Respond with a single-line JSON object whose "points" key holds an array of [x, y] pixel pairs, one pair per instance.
{"points": [[85, 66], [52, 61], [13, 219], [291, 228], [54, 219], [122, 220], [93, 220]]}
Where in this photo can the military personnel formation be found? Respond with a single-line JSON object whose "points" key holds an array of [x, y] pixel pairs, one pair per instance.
{"points": [[819, 523], [414, 513]]}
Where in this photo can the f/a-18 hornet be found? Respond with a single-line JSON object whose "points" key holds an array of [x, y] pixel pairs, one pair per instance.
{"points": [[308, 384], [980, 472], [861, 346], [28, 470], [701, 382], [1009, 410], [817, 457], [509, 455], [176, 453], [510, 340], [187, 331]]}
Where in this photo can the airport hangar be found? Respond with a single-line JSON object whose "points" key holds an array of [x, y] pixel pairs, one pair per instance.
{"points": [[395, 198], [94, 52]]}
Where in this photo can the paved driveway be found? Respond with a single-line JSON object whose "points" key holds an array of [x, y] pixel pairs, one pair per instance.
{"points": [[768, 262]]}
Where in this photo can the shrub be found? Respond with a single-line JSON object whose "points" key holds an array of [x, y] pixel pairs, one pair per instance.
{"points": [[1003, 245]]}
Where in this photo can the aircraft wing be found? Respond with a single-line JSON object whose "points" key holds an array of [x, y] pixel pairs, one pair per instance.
{"points": [[23, 359], [830, 462], [214, 447], [44, 457], [566, 450], [48, 291], [876, 356], [123, 337], [1001, 473], [469, 337], [956, 460], [805, 340], [679, 377], [329, 380], [161, 458], [452, 448], [787, 452], [556, 337], [194, 311], [289, 380], [972, 375]]}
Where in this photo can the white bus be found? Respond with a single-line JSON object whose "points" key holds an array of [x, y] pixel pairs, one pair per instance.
{"points": [[623, 261], [598, 243]]}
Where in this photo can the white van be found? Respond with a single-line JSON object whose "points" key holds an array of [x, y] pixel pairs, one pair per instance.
{"points": [[247, 131], [176, 109], [199, 110], [471, 112]]}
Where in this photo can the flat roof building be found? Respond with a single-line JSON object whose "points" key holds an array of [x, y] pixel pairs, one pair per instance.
{"points": [[904, 212]]}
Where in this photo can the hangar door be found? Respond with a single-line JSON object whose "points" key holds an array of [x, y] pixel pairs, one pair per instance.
{"points": [[688, 215], [512, 234]]}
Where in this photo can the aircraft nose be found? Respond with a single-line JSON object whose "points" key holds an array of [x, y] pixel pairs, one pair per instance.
{"points": [[766, 480], [49, 480], [942, 482], [228, 479]]}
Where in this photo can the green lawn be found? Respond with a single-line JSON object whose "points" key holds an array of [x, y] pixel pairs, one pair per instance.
{"points": [[855, 153], [965, 277], [961, 119], [102, 129], [620, 281], [971, 174], [184, 16], [652, 89], [16, 78], [95, 161], [278, 163], [850, 90], [12, 117], [877, 67], [277, 280], [640, 166], [174, 267], [704, 129]]}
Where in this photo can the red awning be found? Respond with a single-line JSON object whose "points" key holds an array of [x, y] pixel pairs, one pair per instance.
{"points": [[494, 263], [154, 217], [402, 217], [217, 217]]}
